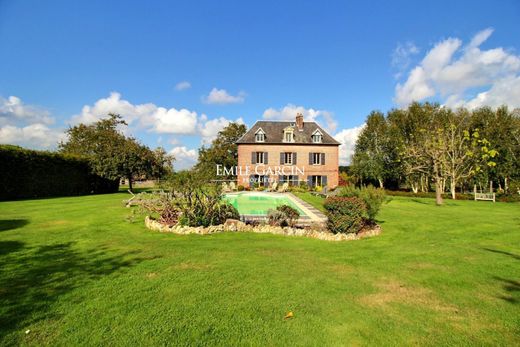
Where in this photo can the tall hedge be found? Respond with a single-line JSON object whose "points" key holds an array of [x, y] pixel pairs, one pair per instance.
{"points": [[33, 174]]}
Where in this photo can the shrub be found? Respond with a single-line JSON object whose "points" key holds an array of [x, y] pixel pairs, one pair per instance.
{"points": [[276, 218], [291, 214], [32, 174], [371, 196], [284, 215], [240, 188], [345, 214], [197, 203]]}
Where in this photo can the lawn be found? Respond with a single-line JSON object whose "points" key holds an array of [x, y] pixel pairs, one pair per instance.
{"points": [[75, 271]]}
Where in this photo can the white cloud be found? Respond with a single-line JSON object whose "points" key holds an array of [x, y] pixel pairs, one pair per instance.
{"points": [[210, 128], [402, 57], [451, 72], [347, 138], [183, 85], [36, 136], [14, 111], [184, 158], [148, 116], [222, 97], [173, 121], [289, 112]]}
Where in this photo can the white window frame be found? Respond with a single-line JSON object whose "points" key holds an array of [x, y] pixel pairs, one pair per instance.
{"points": [[289, 133], [316, 156], [260, 133], [288, 158], [316, 179], [260, 157], [317, 136]]}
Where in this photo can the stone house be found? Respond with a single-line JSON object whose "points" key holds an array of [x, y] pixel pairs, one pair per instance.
{"points": [[285, 151]]}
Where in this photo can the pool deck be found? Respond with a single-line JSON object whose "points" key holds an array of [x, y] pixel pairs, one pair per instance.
{"points": [[312, 215]]}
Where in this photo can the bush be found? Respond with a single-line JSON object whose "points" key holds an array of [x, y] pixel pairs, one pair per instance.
{"points": [[371, 196], [284, 215], [240, 188], [34, 174], [345, 214], [291, 214]]}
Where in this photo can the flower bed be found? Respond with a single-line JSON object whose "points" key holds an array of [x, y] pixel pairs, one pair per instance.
{"points": [[232, 225]]}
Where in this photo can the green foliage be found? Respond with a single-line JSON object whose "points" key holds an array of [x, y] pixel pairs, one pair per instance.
{"points": [[34, 174], [240, 188], [345, 215], [371, 196], [199, 203], [113, 155], [223, 151], [283, 216]]}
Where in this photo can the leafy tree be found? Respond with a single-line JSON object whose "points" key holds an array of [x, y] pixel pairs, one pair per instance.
{"points": [[113, 155], [373, 156], [223, 151]]}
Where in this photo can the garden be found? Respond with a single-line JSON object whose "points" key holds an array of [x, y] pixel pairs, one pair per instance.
{"points": [[78, 269]]}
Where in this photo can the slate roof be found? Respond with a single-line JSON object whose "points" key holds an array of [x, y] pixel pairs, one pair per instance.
{"points": [[274, 133]]}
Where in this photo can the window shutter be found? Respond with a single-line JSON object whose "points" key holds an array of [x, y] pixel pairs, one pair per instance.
{"points": [[251, 180], [253, 157], [294, 158], [296, 180], [281, 158], [324, 180], [266, 160], [322, 158], [310, 158], [309, 181]]}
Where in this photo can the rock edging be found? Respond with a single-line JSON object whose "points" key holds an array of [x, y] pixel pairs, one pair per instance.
{"points": [[233, 225]]}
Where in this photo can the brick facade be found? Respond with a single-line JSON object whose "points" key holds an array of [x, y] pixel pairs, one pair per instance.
{"points": [[328, 169]]}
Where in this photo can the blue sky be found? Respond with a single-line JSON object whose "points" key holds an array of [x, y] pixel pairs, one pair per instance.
{"points": [[178, 72]]}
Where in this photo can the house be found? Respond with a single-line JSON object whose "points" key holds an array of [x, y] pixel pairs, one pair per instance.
{"points": [[285, 151]]}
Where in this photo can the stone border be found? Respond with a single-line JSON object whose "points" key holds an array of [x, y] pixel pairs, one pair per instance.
{"points": [[233, 225]]}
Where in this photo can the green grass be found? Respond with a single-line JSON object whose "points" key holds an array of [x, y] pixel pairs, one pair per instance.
{"points": [[74, 271], [314, 200]]}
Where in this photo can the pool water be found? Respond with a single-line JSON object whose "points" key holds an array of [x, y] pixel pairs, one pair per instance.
{"points": [[258, 204]]}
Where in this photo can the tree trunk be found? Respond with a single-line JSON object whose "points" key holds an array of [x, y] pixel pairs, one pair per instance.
{"points": [[506, 187], [438, 190], [452, 188], [130, 183], [415, 188], [380, 183]]}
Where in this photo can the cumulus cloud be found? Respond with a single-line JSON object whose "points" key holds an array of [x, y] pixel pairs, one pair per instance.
{"points": [[13, 110], [347, 138], [27, 125], [289, 112], [452, 72], [148, 116], [36, 136], [184, 158], [209, 128], [183, 85], [222, 97]]}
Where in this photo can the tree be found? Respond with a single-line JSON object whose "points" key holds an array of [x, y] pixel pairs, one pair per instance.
{"points": [[113, 155], [223, 151], [373, 157]]}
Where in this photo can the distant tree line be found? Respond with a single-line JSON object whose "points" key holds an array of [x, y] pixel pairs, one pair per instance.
{"points": [[429, 147]]}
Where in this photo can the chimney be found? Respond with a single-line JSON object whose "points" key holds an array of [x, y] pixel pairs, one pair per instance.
{"points": [[299, 121]]}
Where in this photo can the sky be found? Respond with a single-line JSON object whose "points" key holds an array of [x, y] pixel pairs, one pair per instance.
{"points": [[178, 72]]}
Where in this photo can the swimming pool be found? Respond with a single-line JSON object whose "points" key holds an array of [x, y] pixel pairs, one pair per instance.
{"points": [[257, 203]]}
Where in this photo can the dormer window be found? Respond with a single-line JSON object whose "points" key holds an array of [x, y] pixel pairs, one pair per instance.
{"points": [[317, 136], [260, 136], [288, 134]]}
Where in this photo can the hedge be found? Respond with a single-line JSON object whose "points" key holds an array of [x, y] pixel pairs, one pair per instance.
{"points": [[512, 197], [345, 215], [33, 174]]}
